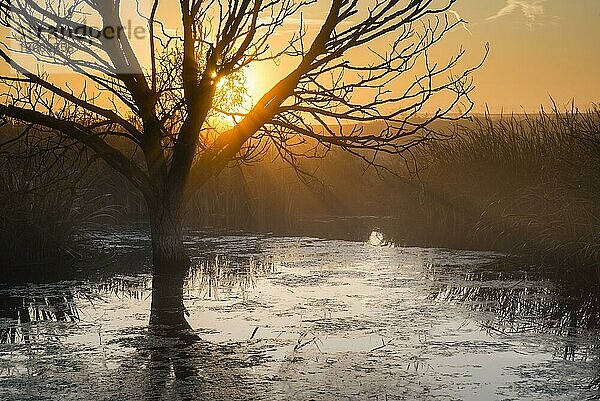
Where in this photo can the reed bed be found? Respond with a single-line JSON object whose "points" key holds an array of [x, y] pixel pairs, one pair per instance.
{"points": [[530, 183], [522, 183], [45, 198]]}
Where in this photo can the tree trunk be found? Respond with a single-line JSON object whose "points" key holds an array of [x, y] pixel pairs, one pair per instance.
{"points": [[170, 265]]}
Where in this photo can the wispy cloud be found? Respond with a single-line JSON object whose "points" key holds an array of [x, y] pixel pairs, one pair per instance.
{"points": [[462, 22], [531, 9]]}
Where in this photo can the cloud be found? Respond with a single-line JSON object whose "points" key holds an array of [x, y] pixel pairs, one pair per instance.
{"points": [[463, 24], [531, 9]]}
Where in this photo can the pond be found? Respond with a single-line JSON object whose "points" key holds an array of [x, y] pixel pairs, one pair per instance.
{"points": [[305, 319]]}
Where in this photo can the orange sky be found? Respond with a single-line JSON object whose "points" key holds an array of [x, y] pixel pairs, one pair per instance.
{"points": [[539, 48]]}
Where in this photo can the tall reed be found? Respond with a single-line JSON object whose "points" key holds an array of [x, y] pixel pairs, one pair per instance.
{"points": [[45, 199], [530, 182]]}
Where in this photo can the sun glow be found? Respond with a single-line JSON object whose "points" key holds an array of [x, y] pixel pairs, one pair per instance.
{"points": [[235, 96], [253, 84]]}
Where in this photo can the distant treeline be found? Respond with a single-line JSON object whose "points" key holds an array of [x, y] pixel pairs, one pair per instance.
{"points": [[523, 183]]}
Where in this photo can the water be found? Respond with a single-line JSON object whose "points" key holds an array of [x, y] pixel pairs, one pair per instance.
{"points": [[305, 319]]}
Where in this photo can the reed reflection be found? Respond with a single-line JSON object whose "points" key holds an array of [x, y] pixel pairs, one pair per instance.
{"points": [[512, 300], [20, 315]]}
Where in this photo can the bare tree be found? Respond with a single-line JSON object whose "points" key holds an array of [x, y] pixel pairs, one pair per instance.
{"points": [[360, 81]]}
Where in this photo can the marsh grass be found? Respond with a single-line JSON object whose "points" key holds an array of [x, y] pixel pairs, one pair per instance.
{"points": [[520, 183], [45, 199], [224, 276], [21, 315], [530, 183]]}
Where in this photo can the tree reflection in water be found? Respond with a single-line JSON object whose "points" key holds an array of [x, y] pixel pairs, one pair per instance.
{"points": [[175, 367], [160, 363]]}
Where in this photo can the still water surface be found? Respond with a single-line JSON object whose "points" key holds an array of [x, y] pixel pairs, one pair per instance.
{"points": [[304, 319]]}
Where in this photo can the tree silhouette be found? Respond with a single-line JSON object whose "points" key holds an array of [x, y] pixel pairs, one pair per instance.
{"points": [[345, 90]]}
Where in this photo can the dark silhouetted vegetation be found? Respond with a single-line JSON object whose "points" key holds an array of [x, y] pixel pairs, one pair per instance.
{"points": [[528, 183], [519, 183], [523, 184], [47, 197]]}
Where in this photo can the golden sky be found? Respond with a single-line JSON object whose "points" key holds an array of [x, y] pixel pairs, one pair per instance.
{"points": [[539, 48]]}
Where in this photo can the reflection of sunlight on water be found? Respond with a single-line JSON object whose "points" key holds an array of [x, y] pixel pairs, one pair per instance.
{"points": [[376, 238]]}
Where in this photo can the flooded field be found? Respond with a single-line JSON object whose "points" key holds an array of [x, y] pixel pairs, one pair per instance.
{"points": [[305, 319]]}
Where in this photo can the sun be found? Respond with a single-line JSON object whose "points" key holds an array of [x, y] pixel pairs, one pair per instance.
{"points": [[236, 94]]}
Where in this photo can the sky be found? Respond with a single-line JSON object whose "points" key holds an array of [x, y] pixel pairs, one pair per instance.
{"points": [[538, 49]]}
